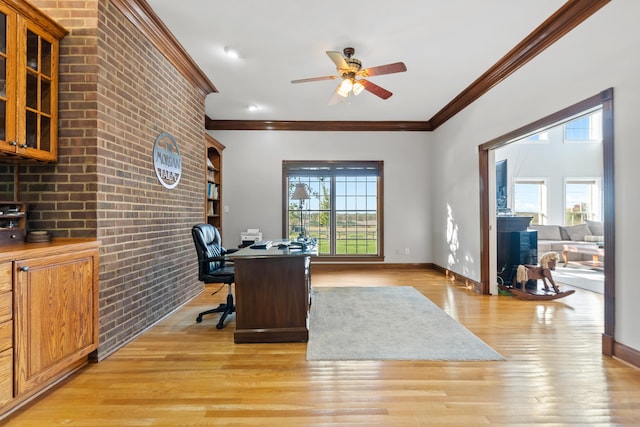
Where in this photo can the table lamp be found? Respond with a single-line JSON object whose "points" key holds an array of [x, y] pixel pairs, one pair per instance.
{"points": [[301, 194]]}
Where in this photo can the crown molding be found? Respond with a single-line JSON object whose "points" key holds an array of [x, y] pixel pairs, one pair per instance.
{"points": [[341, 126], [565, 19], [145, 19], [569, 16]]}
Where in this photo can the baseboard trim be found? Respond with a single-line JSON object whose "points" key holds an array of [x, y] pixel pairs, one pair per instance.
{"points": [[452, 275], [328, 266], [626, 354]]}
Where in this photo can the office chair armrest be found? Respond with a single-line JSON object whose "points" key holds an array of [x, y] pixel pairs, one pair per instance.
{"points": [[230, 251]]}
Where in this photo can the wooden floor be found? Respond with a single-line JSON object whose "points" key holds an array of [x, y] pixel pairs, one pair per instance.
{"points": [[181, 373]]}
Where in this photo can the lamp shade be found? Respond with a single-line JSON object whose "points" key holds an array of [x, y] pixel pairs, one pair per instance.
{"points": [[300, 193]]}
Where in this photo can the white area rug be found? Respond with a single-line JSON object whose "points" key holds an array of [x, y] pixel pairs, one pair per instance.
{"points": [[387, 323], [583, 278]]}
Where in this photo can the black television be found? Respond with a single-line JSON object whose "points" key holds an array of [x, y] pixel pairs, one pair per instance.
{"points": [[501, 186]]}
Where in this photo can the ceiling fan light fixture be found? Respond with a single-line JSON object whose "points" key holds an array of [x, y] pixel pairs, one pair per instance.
{"points": [[345, 87], [357, 88]]}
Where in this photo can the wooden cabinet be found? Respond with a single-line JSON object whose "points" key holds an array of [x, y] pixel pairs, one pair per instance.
{"points": [[6, 333], [48, 315], [214, 182], [29, 42]]}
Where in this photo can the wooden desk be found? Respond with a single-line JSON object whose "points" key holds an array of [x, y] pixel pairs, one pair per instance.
{"points": [[272, 294]]}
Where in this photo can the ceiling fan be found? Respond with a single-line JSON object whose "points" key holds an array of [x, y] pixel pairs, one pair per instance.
{"points": [[349, 69]]}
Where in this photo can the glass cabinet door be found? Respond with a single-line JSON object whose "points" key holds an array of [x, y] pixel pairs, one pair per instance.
{"points": [[29, 44], [7, 82], [3, 76], [38, 105]]}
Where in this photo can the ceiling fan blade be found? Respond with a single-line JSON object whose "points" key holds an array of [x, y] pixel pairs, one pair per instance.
{"points": [[375, 89], [314, 79], [396, 67], [338, 59]]}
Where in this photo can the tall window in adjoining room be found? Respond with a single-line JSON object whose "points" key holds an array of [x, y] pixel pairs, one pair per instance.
{"points": [[582, 200], [344, 209], [530, 199]]}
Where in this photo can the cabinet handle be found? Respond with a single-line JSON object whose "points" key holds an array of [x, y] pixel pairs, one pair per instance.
{"points": [[14, 143], [24, 146], [25, 268]]}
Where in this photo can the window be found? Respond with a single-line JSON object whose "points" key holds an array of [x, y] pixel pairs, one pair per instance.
{"points": [[530, 199], [538, 137], [582, 200], [585, 128], [344, 209]]}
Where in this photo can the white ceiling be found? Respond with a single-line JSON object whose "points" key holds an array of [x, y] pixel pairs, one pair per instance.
{"points": [[445, 44]]}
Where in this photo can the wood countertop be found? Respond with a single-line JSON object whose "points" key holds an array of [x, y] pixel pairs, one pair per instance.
{"points": [[16, 251]]}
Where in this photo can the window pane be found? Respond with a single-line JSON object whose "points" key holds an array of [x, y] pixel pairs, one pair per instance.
{"points": [[31, 135], [32, 50], [587, 128], [529, 200], [582, 201], [3, 33]]}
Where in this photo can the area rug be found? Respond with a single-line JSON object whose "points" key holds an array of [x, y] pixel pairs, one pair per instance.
{"points": [[584, 278], [387, 323]]}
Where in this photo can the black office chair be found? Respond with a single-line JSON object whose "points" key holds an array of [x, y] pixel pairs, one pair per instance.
{"points": [[212, 267]]}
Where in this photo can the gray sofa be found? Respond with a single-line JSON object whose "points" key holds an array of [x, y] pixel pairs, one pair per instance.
{"points": [[554, 237]]}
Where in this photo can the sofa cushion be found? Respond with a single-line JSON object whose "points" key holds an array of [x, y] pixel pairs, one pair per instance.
{"points": [[547, 232], [596, 227], [577, 232]]}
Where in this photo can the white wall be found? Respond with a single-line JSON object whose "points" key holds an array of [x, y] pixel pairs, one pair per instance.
{"points": [[252, 181], [600, 53]]}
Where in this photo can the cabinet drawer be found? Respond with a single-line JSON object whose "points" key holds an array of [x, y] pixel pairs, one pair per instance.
{"points": [[6, 335], [6, 306], [6, 282], [6, 376]]}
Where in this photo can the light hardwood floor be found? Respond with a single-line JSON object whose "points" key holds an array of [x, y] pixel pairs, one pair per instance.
{"points": [[181, 373]]}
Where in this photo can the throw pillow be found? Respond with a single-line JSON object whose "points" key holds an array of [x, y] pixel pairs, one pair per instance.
{"points": [[596, 227], [594, 238], [577, 232], [547, 232]]}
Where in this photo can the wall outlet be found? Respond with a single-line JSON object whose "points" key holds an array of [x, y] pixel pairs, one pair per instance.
{"points": [[407, 251]]}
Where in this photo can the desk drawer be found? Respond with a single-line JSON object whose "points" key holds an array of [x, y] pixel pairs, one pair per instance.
{"points": [[6, 306], [6, 277]]}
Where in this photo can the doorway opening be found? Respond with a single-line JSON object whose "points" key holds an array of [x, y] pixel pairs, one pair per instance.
{"points": [[489, 200]]}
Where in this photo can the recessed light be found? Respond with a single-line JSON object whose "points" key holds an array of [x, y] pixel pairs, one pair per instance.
{"points": [[231, 53]]}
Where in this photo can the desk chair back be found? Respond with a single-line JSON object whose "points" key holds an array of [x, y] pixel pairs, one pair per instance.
{"points": [[211, 263]]}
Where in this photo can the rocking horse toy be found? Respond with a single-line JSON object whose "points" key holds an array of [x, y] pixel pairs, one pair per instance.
{"points": [[528, 272]]}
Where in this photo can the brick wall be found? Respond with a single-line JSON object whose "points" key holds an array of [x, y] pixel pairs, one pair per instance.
{"points": [[6, 182], [117, 94]]}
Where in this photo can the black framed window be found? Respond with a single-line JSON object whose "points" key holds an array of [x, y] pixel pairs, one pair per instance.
{"points": [[343, 211]]}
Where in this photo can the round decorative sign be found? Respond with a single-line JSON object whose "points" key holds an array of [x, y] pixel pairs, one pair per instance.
{"points": [[167, 161]]}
